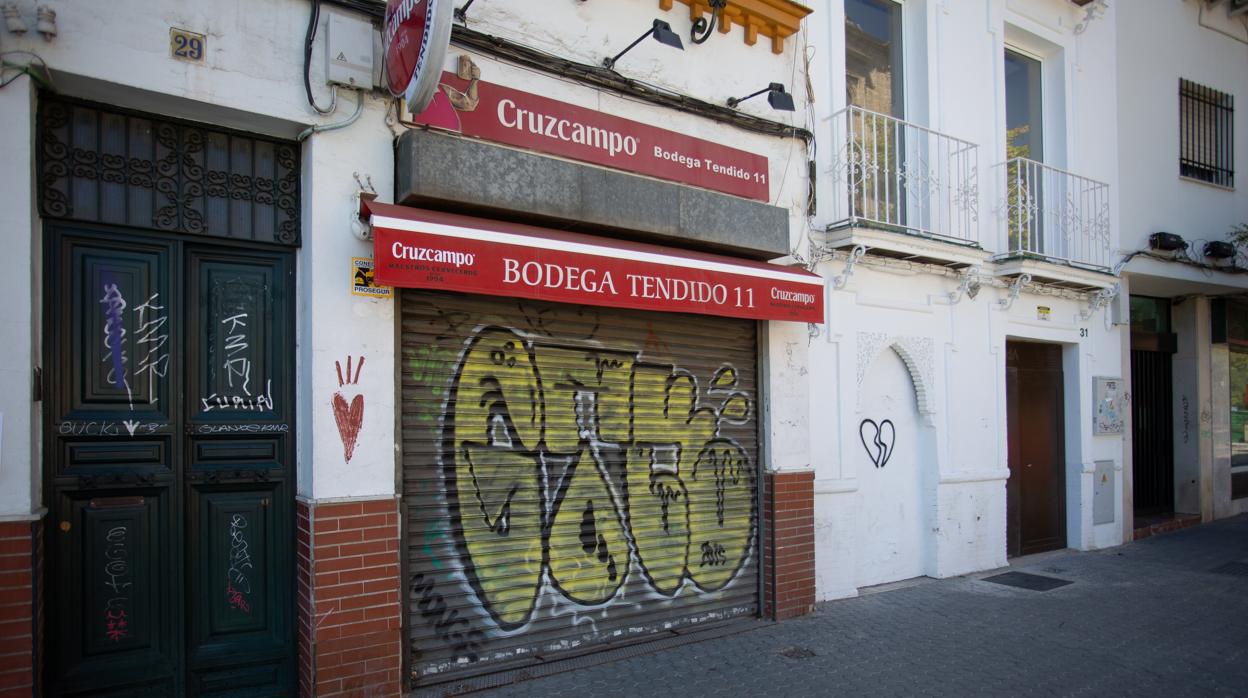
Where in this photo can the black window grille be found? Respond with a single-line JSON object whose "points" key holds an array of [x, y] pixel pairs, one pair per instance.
{"points": [[1206, 140]]}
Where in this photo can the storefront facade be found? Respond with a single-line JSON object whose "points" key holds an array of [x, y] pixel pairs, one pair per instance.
{"points": [[237, 458]]}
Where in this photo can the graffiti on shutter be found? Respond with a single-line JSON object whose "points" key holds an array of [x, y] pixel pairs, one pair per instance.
{"points": [[589, 477]]}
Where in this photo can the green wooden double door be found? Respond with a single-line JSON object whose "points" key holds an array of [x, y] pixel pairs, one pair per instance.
{"points": [[168, 454]]}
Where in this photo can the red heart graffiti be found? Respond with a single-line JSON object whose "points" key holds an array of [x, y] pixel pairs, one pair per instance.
{"points": [[349, 421]]}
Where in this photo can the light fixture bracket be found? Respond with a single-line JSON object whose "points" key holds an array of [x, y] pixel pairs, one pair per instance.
{"points": [[777, 97], [660, 30], [854, 256], [1016, 288], [702, 29]]}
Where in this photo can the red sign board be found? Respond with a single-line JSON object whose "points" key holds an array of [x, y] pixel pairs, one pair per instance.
{"points": [[424, 249], [496, 113], [415, 37]]}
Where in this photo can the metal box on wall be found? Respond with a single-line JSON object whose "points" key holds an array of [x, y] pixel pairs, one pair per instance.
{"points": [[1103, 488]]}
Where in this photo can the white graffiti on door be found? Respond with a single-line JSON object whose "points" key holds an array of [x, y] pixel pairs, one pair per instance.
{"points": [[153, 333]]}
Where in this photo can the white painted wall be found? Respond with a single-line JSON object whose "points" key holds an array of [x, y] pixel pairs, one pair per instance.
{"points": [[1159, 42], [958, 350], [20, 271]]}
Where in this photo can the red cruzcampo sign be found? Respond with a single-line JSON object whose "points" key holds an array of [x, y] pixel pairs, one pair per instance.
{"points": [[415, 37], [414, 248], [466, 104]]}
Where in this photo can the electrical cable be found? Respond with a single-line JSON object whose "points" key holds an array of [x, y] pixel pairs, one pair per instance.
{"points": [[321, 128], [44, 80], [314, 19]]}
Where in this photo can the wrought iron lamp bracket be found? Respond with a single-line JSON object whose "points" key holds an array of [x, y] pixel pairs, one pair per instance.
{"points": [[1016, 288], [702, 28], [854, 257], [1100, 300], [968, 286]]}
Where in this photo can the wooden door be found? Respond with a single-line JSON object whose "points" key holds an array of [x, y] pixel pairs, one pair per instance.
{"points": [[168, 468], [1036, 490]]}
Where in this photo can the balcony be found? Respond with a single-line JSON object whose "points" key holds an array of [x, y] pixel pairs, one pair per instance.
{"points": [[904, 190], [1054, 218]]}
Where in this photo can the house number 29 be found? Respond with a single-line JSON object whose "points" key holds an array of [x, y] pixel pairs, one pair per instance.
{"points": [[186, 45]]}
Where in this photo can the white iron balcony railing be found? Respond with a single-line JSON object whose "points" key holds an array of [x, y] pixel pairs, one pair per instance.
{"points": [[895, 174], [1055, 214]]}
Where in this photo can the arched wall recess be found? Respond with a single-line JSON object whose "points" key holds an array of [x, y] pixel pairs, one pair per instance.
{"points": [[915, 352]]}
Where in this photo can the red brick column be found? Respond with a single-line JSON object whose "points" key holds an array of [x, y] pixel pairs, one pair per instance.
{"points": [[19, 542], [349, 624], [789, 555]]}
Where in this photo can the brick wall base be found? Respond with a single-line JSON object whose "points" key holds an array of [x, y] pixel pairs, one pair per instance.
{"points": [[349, 629], [20, 543], [789, 558]]}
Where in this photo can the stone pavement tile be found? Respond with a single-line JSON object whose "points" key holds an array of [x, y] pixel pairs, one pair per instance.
{"points": [[1145, 619]]}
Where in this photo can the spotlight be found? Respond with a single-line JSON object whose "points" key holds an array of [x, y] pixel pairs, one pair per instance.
{"points": [[662, 32], [776, 97], [1219, 249], [1166, 242]]}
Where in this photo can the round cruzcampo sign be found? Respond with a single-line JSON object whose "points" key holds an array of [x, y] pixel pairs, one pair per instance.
{"points": [[416, 35]]}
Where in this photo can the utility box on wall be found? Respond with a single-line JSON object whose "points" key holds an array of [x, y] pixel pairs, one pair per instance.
{"points": [[1103, 492]]}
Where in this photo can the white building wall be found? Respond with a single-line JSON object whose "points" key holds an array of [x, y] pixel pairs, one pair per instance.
{"points": [[1160, 43], [955, 351], [20, 268]]}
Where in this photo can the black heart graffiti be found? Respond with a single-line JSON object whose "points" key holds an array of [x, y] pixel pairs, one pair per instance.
{"points": [[883, 439]]}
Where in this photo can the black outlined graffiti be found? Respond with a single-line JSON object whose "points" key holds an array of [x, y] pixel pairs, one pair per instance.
{"points": [[882, 439], [454, 630], [563, 465]]}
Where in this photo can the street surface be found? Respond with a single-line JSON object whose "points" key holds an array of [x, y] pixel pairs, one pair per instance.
{"points": [[1146, 619]]}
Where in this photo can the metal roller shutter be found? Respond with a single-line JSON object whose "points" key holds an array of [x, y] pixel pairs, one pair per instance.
{"points": [[572, 476]]}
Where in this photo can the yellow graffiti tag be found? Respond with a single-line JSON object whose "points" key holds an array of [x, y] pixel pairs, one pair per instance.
{"points": [[568, 460]]}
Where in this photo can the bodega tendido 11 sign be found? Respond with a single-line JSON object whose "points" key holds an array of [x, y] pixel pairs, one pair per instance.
{"points": [[415, 248]]}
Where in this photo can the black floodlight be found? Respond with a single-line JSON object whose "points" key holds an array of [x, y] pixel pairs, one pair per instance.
{"points": [[1219, 249], [662, 33], [1166, 242], [776, 97]]}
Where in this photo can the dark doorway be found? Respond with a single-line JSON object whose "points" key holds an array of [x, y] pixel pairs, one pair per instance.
{"points": [[168, 425], [1152, 411], [1036, 491]]}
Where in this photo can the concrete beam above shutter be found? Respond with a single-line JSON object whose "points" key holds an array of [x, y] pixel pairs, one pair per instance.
{"points": [[446, 172]]}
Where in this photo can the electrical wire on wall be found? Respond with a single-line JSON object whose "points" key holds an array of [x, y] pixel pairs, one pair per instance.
{"points": [[321, 128], [314, 19], [35, 67]]}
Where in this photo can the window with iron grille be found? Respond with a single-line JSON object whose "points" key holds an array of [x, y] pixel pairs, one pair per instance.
{"points": [[1206, 142]]}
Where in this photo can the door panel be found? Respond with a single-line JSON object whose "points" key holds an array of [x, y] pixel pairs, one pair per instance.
{"points": [[240, 318], [1036, 490], [119, 601], [119, 300], [233, 569], [168, 434]]}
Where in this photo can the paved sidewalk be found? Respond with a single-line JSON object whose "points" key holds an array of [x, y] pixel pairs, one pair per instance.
{"points": [[1145, 619]]}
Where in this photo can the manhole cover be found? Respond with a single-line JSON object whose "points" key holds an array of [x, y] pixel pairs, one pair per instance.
{"points": [[796, 653], [1033, 582], [1238, 569]]}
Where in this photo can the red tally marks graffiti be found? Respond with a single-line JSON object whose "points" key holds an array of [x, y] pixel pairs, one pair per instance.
{"points": [[349, 417]]}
